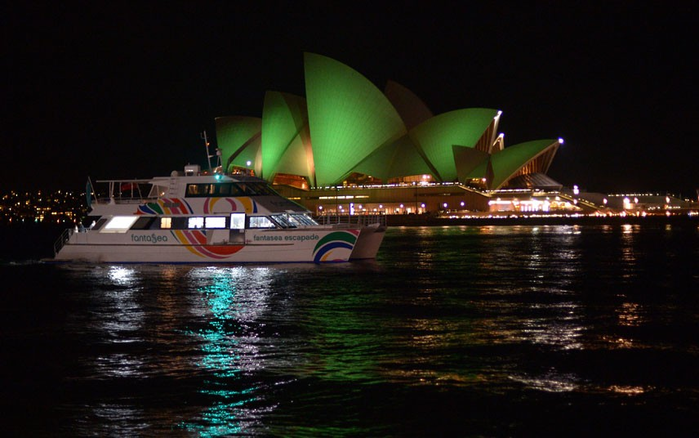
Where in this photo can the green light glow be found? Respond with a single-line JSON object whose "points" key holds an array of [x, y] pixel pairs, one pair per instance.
{"points": [[511, 159], [355, 128], [394, 160], [286, 143], [470, 162], [436, 136], [349, 117], [239, 140], [231, 301], [411, 108]]}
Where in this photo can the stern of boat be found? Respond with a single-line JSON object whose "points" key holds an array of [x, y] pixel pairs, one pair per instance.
{"points": [[372, 231], [368, 242]]}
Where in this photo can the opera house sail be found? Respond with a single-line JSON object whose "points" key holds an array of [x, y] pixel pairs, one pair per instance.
{"points": [[350, 148]]}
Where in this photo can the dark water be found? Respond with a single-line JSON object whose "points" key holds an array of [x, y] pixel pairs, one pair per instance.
{"points": [[460, 331]]}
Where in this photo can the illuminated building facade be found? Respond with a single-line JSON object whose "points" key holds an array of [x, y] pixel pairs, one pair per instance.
{"points": [[348, 147]]}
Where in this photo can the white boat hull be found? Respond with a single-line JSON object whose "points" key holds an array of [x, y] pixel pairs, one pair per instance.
{"points": [[323, 245], [212, 218]]}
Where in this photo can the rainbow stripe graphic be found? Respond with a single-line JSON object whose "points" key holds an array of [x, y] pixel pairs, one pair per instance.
{"points": [[245, 204], [328, 248], [166, 206], [195, 242]]}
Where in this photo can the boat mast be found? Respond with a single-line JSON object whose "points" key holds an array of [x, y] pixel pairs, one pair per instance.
{"points": [[206, 145]]}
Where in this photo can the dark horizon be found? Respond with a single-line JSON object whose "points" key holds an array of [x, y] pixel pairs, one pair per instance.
{"points": [[118, 91]]}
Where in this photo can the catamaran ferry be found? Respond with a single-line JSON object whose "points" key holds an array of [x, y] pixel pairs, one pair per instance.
{"points": [[209, 218]]}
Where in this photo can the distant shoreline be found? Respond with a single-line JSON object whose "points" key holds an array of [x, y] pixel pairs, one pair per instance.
{"points": [[35, 240], [426, 220], [409, 220]]}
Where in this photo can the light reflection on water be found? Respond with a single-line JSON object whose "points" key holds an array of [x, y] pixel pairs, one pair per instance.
{"points": [[514, 317], [233, 298]]}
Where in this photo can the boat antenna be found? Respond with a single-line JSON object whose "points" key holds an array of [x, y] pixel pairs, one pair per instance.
{"points": [[219, 152], [206, 145]]}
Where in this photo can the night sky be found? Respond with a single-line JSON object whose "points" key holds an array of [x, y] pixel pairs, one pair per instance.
{"points": [[120, 89]]}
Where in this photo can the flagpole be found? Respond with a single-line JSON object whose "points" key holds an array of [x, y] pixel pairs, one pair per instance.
{"points": [[88, 192]]}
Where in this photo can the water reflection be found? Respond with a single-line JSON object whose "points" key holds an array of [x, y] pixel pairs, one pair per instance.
{"points": [[631, 315], [487, 288], [628, 252], [550, 381], [516, 315], [121, 275], [231, 300], [629, 390], [114, 326], [563, 331], [127, 420], [121, 318]]}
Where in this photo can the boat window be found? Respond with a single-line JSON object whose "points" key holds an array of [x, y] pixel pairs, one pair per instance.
{"points": [[230, 189], [195, 222], [193, 190], [216, 189], [119, 224], [237, 221], [179, 223], [99, 224], [303, 219], [165, 222], [143, 223], [261, 222], [283, 220], [234, 190], [294, 223], [157, 191], [261, 189], [215, 222], [245, 189]]}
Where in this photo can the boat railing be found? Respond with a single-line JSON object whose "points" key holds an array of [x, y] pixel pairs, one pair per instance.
{"points": [[125, 200], [62, 240], [125, 191], [353, 219]]}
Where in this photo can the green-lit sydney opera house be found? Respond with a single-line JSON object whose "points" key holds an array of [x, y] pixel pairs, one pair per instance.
{"points": [[349, 148]]}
